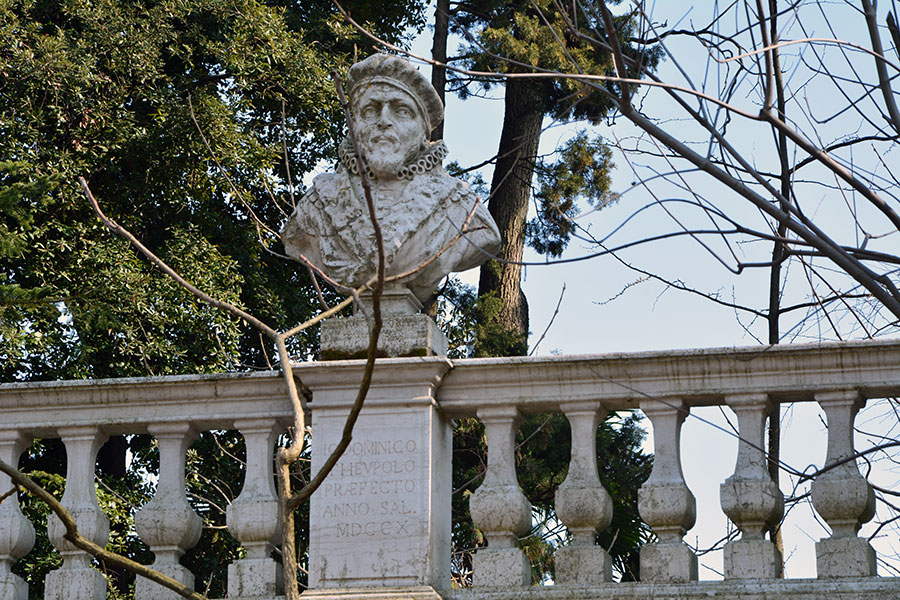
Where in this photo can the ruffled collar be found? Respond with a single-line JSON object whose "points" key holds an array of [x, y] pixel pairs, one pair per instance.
{"points": [[431, 156]]}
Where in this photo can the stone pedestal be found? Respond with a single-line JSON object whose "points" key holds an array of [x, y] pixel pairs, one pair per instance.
{"points": [[582, 565], [381, 519], [668, 563], [845, 557], [752, 559], [501, 567], [404, 332]]}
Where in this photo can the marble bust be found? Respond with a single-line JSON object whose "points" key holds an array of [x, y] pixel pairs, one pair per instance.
{"points": [[420, 208]]}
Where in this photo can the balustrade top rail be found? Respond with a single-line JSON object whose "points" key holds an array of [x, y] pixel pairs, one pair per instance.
{"points": [[534, 384], [127, 405], [699, 377]]}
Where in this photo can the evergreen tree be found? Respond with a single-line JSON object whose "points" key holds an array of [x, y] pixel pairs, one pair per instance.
{"points": [[519, 37]]}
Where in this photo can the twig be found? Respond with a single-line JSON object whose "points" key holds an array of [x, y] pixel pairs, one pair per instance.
{"points": [[550, 324]]}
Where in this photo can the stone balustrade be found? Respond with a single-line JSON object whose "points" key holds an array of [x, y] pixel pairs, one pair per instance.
{"points": [[380, 525], [174, 410]]}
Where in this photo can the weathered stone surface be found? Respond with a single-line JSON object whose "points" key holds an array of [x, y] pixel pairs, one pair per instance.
{"points": [[841, 495], [401, 335], [668, 563], [408, 593], [75, 579], [382, 517], [845, 557], [431, 223], [506, 567], [76, 583], [582, 503], [13, 587], [144, 588], [752, 559], [253, 517], [665, 501], [498, 507], [16, 532], [884, 588], [582, 565], [167, 523], [749, 497], [254, 578]]}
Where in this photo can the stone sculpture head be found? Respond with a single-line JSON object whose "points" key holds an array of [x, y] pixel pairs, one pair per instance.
{"points": [[394, 110], [431, 224]]}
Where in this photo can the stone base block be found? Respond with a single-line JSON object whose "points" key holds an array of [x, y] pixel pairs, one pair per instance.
{"points": [[13, 587], [500, 567], [74, 584], [410, 593], [582, 565], [844, 557], [254, 578], [401, 335], [144, 589], [752, 559], [668, 563]]}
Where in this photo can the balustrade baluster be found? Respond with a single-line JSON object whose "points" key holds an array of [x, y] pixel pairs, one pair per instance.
{"points": [[498, 507], [664, 501], [749, 497], [16, 532], [76, 580], [168, 523], [841, 495], [582, 503], [253, 516]]}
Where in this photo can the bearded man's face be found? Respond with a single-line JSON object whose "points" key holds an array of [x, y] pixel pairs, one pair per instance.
{"points": [[389, 127]]}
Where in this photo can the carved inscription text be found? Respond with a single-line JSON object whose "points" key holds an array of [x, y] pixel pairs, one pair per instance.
{"points": [[374, 489]]}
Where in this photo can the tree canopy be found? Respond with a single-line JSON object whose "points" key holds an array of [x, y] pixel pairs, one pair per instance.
{"points": [[129, 95]]}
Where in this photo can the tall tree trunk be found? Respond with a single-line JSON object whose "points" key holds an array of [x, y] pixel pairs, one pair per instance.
{"points": [[510, 193], [439, 83], [439, 54]]}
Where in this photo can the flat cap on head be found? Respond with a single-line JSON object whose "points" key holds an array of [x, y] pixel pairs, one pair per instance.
{"points": [[398, 72]]}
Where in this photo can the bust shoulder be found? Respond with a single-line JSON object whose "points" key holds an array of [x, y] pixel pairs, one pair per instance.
{"points": [[327, 187]]}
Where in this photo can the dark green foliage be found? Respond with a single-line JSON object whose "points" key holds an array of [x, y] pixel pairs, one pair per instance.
{"points": [[623, 469], [48, 459], [469, 464], [471, 326], [106, 90], [580, 175], [518, 36]]}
